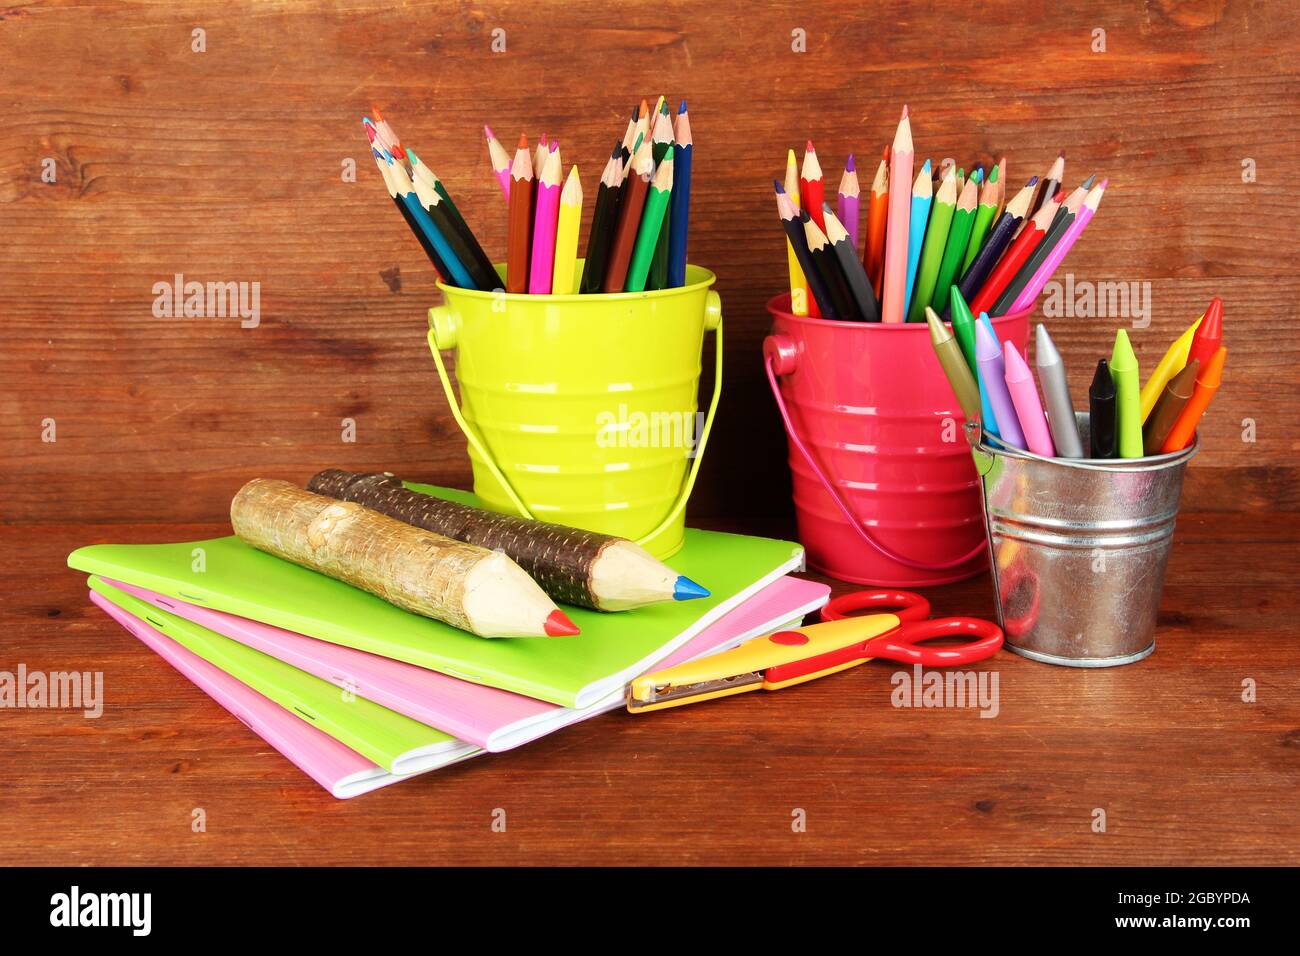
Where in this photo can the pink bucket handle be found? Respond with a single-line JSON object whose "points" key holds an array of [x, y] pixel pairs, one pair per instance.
{"points": [[780, 358]]}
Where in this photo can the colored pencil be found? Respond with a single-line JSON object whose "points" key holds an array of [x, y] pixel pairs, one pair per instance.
{"points": [[629, 218], [1052, 180], [1173, 361], [545, 219], [873, 255], [406, 190], [1061, 222], [894, 287], [794, 230], [683, 149], [603, 223], [812, 186], [438, 203], [855, 277], [540, 155], [963, 220], [799, 291], [922, 198], [988, 204], [500, 161], [520, 215], [998, 241], [936, 238], [661, 149], [828, 267], [1054, 258], [564, 274], [847, 202], [652, 221], [1016, 255], [440, 267]]}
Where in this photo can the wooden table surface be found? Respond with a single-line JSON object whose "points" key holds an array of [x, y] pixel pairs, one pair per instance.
{"points": [[1185, 771], [229, 164]]}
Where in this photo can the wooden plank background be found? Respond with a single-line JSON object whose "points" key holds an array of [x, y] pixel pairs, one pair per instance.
{"points": [[226, 166]]}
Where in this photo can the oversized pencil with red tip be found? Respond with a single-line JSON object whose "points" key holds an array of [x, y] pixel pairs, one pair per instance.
{"points": [[542, 226], [925, 234]]}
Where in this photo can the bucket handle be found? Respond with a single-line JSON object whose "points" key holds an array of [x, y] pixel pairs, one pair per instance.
{"points": [[779, 358], [442, 334]]}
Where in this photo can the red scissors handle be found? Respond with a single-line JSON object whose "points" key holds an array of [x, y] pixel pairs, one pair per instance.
{"points": [[904, 643], [905, 605]]}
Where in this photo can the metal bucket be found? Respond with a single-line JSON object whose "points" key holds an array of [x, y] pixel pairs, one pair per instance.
{"points": [[1078, 548]]}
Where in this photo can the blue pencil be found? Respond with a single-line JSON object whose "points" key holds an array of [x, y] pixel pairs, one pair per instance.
{"points": [[922, 196], [679, 211], [459, 275]]}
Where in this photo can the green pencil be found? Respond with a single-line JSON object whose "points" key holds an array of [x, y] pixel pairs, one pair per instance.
{"points": [[936, 237], [989, 196], [1128, 403], [958, 236], [652, 220]]}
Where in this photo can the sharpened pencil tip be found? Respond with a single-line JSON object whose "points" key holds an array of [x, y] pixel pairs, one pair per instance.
{"points": [[523, 140], [487, 131], [687, 590], [848, 164], [558, 625], [904, 116], [809, 147], [681, 109], [926, 166], [779, 188]]}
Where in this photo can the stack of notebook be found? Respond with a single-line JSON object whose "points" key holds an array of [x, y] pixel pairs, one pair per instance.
{"points": [[360, 694]]}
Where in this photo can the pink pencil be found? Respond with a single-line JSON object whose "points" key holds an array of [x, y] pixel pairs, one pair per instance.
{"points": [[544, 223], [894, 287], [1053, 260], [847, 207], [500, 160], [1024, 396]]}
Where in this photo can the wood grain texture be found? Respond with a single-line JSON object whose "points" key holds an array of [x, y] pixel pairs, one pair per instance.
{"points": [[1186, 772], [226, 166]]}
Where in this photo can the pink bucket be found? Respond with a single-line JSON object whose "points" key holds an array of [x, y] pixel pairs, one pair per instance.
{"points": [[885, 490]]}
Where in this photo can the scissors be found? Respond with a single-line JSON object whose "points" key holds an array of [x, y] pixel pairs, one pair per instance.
{"points": [[842, 640]]}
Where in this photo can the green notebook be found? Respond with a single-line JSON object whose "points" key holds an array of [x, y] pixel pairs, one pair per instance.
{"points": [[393, 741], [570, 671]]}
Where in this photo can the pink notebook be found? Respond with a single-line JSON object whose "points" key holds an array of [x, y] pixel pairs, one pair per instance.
{"points": [[340, 770], [490, 718]]}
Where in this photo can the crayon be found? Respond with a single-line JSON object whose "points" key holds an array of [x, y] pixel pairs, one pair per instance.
{"points": [[1207, 384], [1056, 393], [1024, 396], [1128, 408], [963, 328], [1174, 360], [954, 366], [993, 380], [1209, 335], [1177, 392], [1101, 413]]}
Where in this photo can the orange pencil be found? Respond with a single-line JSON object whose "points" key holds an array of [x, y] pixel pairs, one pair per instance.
{"points": [[873, 255], [1207, 384]]}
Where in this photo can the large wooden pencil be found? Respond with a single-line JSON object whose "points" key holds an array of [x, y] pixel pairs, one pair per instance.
{"points": [[629, 218], [795, 234], [878, 215], [603, 223], [828, 267], [855, 276], [439, 266], [680, 213], [583, 568], [519, 241], [464, 585], [894, 287], [996, 244]]}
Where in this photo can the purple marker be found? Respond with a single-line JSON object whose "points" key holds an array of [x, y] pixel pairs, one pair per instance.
{"points": [[988, 356]]}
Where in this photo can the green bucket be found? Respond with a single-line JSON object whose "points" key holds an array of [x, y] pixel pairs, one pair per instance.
{"points": [[582, 409]]}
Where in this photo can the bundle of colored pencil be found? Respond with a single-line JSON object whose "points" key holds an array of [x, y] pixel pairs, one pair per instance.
{"points": [[926, 236], [639, 228], [994, 385]]}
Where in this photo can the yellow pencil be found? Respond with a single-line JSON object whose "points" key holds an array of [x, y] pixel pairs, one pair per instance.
{"points": [[799, 301], [564, 279], [1174, 359]]}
